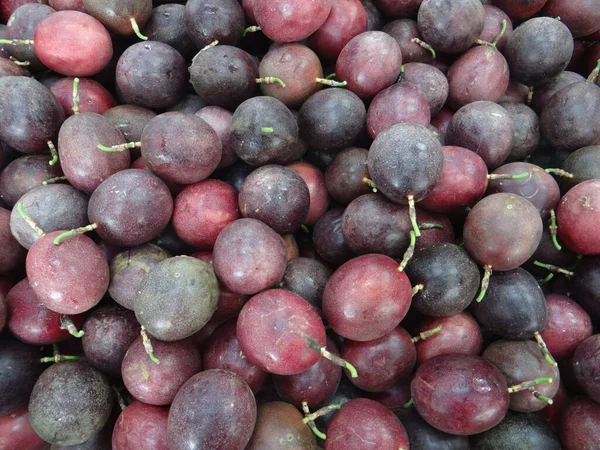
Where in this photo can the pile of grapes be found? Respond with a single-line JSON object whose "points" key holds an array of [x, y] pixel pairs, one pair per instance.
{"points": [[300, 224]]}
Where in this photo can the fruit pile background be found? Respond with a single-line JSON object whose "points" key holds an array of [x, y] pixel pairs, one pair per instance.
{"points": [[300, 224]]}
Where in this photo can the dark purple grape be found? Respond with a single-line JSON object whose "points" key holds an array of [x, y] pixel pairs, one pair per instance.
{"points": [[207, 21], [201, 415], [84, 164], [586, 364], [141, 73], [519, 362], [52, 207], [580, 424], [518, 430], [176, 298], [129, 120], [514, 306], [307, 278], [406, 160], [28, 126], [166, 24], [21, 25], [25, 174], [329, 240], [141, 426], [249, 256], [538, 50], [344, 177], [20, 367], [527, 130], [263, 131], [130, 207], [484, 128], [109, 332], [70, 402], [277, 196], [449, 279], [460, 394], [423, 436], [117, 16], [224, 76], [444, 25], [332, 119], [430, 80]]}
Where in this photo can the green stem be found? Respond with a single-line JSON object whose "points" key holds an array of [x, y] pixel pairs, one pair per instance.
{"points": [[305, 228], [502, 31], [417, 288], [119, 397], [430, 226], [76, 231], [66, 323], [119, 147], [53, 153], [594, 73], [58, 358], [485, 282], [507, 176], [529, 95], [311, 423], [331, 76], [560, 173], [75, 107], [528, 384], [266, 129], [333, 83], [19, 63], [547, 279], [544, 348], [424, 44], [16, 41], [409, 403], [136, 29], [251, 29], [553, 228], [370, 183], [339, 361], [408, 254], [426, 334], [554, 269], [270, 80], [412, 213], [320, 412], [148, 345], [29, 220], [53, 180], [540, 397], [211, 45]]}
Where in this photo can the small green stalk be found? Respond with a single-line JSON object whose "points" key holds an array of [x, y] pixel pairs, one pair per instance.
{"points": [[485, 282], [412, 212], [75, 107], [148, 345], [29, 220], [408, 254], [424, 44], [270, 80], [136, 29], [329, 82], [426, 334], [67, 234]]}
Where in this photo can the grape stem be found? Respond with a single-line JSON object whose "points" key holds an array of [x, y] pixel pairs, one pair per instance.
{"points": [[485, 282], [528, 384], [371, 184], [529, 95], [148, 345], [321, 412], [19, 63], [409, 403], [410, 251], [136, 29], [29, 220], [16, 41], [53, 180], [426, 334], [58, 358], [507, 176], [412, 213], [540, 397], [554, 269], [251, 29], [271, 80], [424, 44], [417, 288], [594, 73], [339, 361], [53, 153], [119, 147], [75, 107], [119, 397], [67, 234], [311, 423], [211, 45], [266, 129], [544, 348], [430, 226], [553, 228], [560, 173], [329, 82], [66, 323]]}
